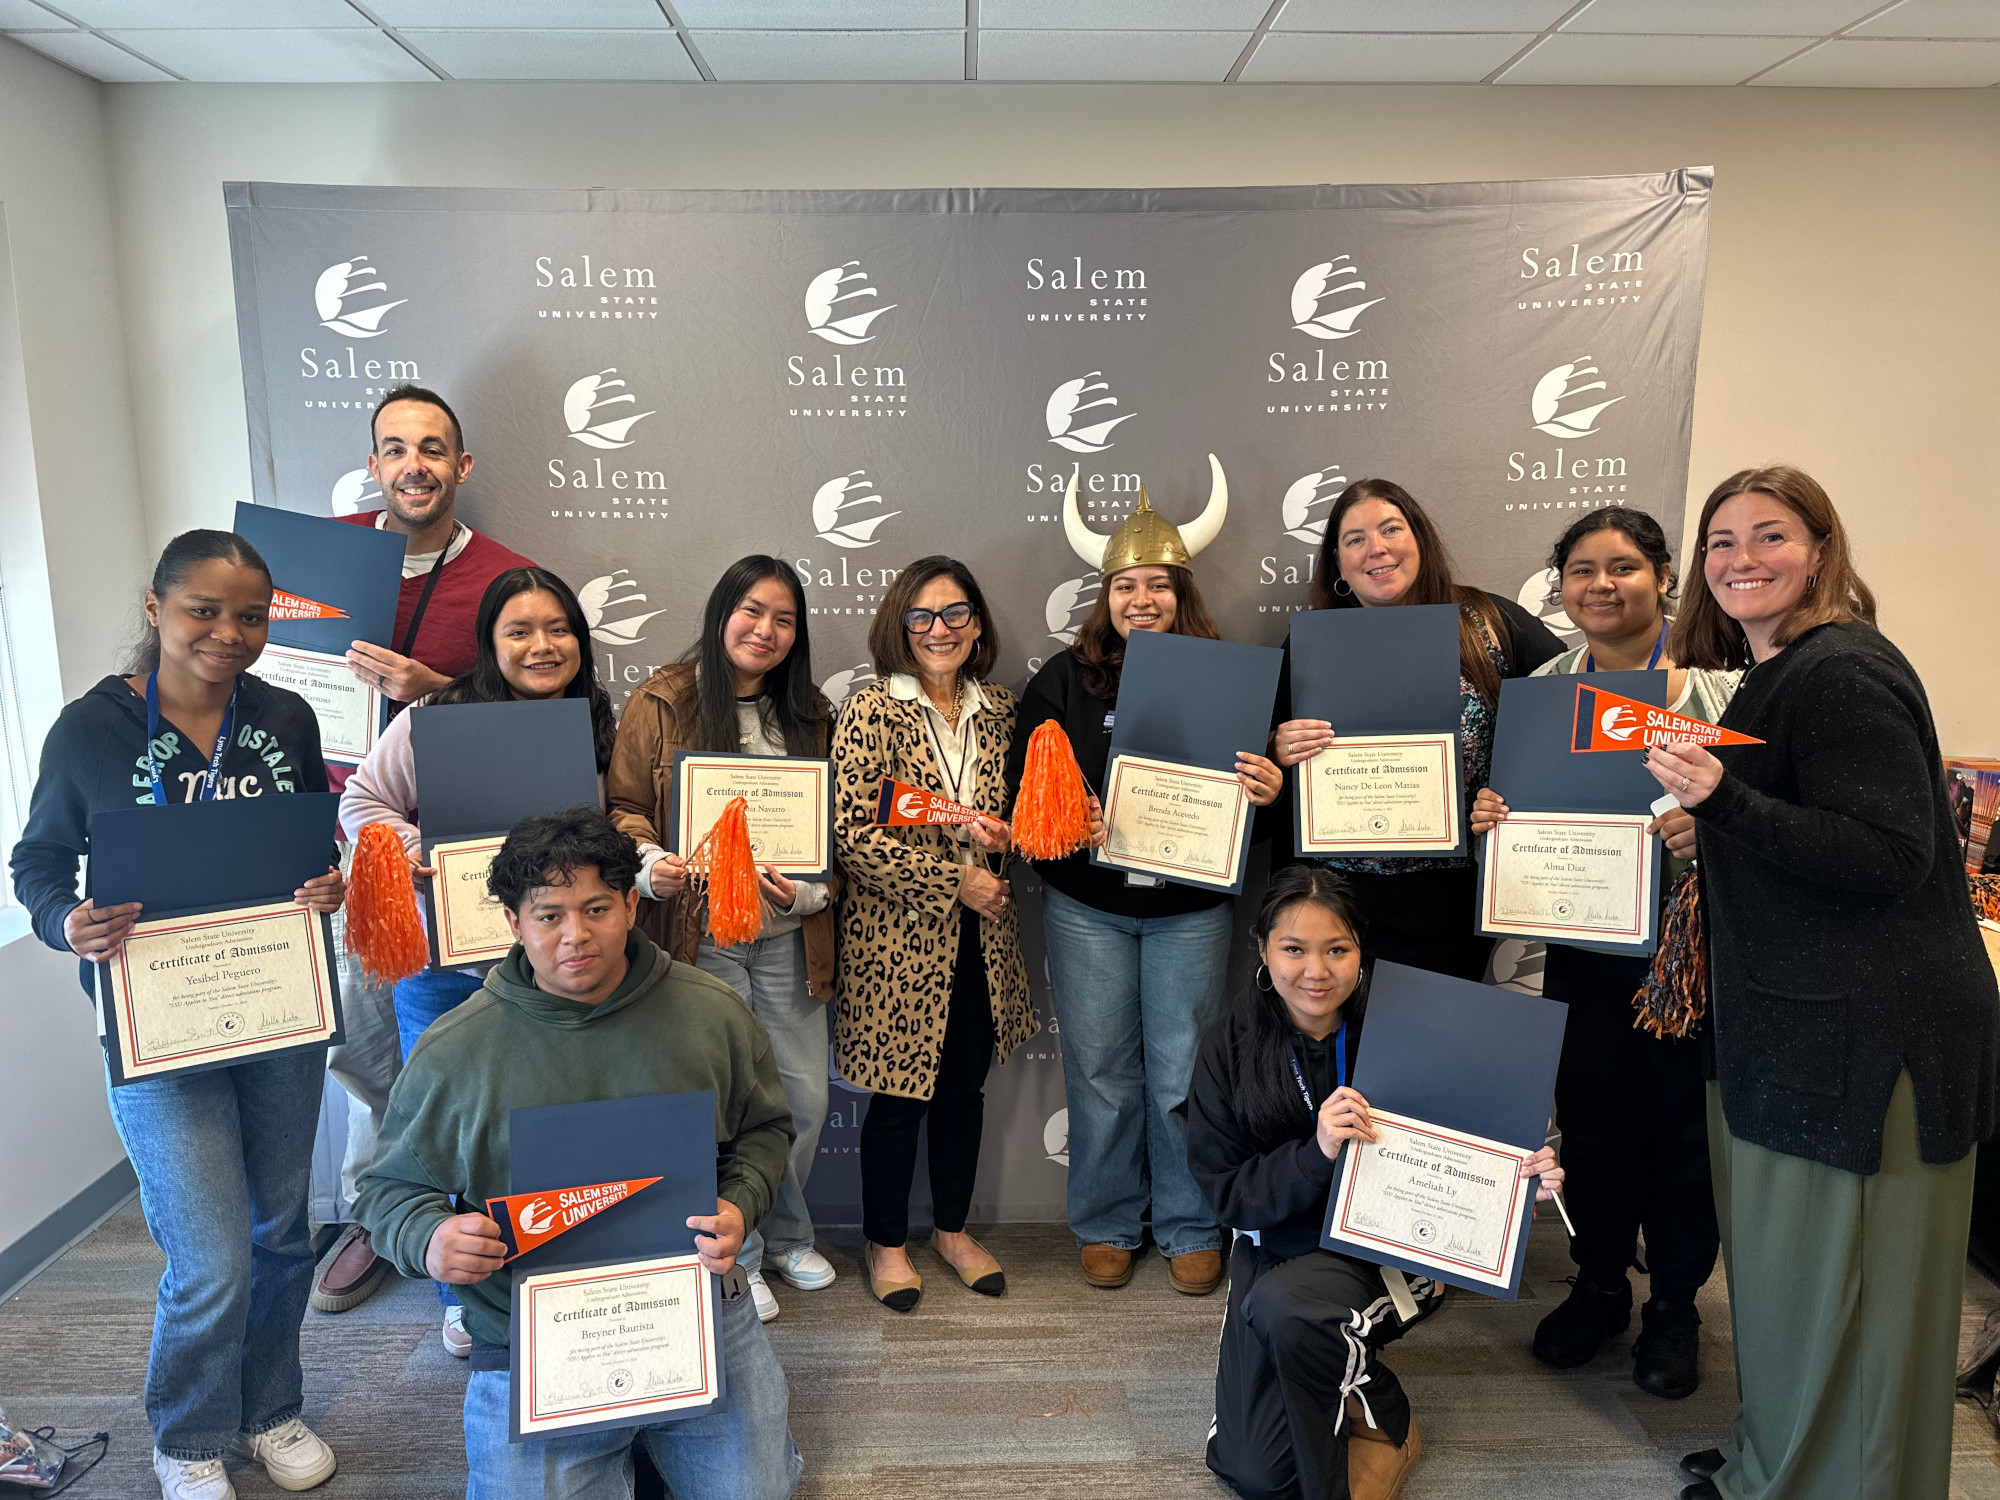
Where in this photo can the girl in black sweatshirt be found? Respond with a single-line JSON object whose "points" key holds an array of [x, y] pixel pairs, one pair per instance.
{"points": [[1298, 1373], [223, 1156]]}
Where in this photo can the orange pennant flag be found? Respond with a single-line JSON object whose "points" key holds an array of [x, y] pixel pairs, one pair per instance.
{"points": [[1611, 721], [530, 1219], [898, 804], [286, 606]]}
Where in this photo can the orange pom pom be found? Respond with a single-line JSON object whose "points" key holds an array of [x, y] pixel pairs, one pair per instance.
{"points": [[1052, 810], [722, 867], [382, 926]]}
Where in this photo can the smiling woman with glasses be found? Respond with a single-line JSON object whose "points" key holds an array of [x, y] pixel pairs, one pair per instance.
{"points": [[930, 979]]}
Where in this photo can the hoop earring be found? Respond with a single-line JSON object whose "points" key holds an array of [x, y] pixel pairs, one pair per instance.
{"points": [[1262, 979], [1342, 588]]}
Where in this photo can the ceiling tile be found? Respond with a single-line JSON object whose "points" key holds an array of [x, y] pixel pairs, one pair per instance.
{"points": [[510, 15], [25, 13], [1118, 15], [1319, 57], [93, 56], [833, 56], [110, 15], [822, 15], [279, 56], [1109, 56], [1936, 18], [1843, 64], [555, 54], [1722, 17], [1414, 15], [1691, 60]]}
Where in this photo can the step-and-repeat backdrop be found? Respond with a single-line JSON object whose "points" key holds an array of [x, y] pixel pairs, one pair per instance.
{"points": [[654, 383]]}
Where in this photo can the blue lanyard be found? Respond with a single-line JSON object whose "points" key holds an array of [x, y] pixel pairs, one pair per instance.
{"points": [[1339, 1069], [1659, 650], [153, 734]]}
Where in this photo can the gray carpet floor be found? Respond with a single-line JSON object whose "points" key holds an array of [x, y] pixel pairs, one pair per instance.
{"points": [[1053, 1390]]}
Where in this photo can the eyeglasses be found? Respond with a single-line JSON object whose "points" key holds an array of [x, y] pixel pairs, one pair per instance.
{"points": [[955, 616]]}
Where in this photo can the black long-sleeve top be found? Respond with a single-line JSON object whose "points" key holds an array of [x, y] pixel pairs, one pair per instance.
{"points": [[95, 758], [1843, 950], [1057, 692], [1279, 1191]]}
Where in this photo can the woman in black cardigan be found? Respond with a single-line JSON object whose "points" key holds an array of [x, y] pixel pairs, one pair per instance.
{"points": [[1856, 1029]]}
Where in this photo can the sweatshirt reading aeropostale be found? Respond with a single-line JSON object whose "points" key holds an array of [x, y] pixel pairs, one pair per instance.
{"points": [[668, 1029]]}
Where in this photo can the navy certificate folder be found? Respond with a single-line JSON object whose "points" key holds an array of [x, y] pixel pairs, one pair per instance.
{"points": [[668, 1136], [1470, 1057], [352, 568], [1195, 701], [483, 767], [211, 856], [1377, 671]]}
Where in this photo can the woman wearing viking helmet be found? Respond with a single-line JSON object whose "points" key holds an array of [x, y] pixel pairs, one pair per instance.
{"points": [[1136, 966]]}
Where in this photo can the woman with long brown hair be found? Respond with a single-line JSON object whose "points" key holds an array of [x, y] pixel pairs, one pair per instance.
{"points": [[1136, 965], [1854, 1042], [1380, 550]]}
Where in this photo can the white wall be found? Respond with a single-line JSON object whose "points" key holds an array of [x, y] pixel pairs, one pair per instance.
{"points": [[74, 549], [1851, 317]]}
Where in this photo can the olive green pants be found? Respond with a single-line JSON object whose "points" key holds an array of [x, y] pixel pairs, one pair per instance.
{"points": [[1844, 1296]]}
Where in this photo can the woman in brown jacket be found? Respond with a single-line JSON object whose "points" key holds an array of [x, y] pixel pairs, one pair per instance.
{"points": [[745, 686], [930, 972]]}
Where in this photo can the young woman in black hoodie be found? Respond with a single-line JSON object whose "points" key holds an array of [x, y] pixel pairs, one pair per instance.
{"points": [[223, 1157], [1298, 1373]]}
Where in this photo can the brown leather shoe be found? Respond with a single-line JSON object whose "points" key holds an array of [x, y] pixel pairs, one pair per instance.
{"points": [[897, 1296], [1106, 1265], [350, 1273], [1195, 1274], [1376, 1468]]}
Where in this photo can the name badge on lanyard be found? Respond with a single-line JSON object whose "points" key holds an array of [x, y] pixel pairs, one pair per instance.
{"points": [[1339, 1069], [153, 734]]}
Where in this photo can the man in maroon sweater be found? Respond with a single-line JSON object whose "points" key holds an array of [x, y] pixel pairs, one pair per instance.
{"points": [[418, 457]]}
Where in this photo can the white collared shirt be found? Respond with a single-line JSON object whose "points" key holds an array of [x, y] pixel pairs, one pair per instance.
{"points": [[954, 750]]}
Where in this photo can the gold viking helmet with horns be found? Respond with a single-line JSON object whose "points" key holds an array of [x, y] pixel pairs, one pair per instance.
{"points": [[1146, 538]]}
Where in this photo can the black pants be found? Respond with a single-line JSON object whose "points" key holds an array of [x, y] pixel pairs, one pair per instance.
{"points": [[956, 1110], [1298, 1337], [1633, 1114], [1423, 918]]}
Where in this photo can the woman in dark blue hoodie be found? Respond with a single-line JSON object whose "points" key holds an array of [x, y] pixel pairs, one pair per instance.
{"points": [[1302, 1398], [224, 1157]]}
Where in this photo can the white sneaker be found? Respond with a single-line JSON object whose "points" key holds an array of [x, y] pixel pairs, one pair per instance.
{"points": [[805, 1268], [182, 1480], [457, 1342], [292, 1455], [767, 1304]]}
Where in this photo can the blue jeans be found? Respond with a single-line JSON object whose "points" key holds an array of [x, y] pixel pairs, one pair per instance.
{"points": [[770, 974], [1132, 995], [420, 1000], [224, 1160], [743, 1450]]}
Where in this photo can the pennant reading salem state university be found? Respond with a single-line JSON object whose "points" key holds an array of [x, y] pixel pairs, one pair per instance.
{"points": [[899, 803], [530, 1219], [286, 606], [1611, 721]]}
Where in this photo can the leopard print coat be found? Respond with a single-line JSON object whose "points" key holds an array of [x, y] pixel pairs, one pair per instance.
{"points": [[899, 912]]}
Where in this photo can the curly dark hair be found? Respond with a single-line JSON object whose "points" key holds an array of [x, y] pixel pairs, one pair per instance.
{"points": [[547, 851]]}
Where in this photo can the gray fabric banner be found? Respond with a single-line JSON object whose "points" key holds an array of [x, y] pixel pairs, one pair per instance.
{"points": [[657, 382]]}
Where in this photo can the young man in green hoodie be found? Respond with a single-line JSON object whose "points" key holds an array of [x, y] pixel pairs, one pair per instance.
{"points": [[585, 1008]]}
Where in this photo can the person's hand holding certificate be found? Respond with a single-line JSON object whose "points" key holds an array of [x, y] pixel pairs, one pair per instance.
{"points": [[790, 807]]}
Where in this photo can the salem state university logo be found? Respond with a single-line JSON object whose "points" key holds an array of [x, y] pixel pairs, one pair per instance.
{"points": [[355, 492], [824, 294], [341, 283], [1554, 388], [1066, 404], [589, 396], [1308, 493], [602, 595], [1322, 283], [1068, 603], [846, 493], [842, 685]]}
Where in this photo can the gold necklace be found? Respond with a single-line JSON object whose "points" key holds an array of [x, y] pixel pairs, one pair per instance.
{"points": [[950, 715]]}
